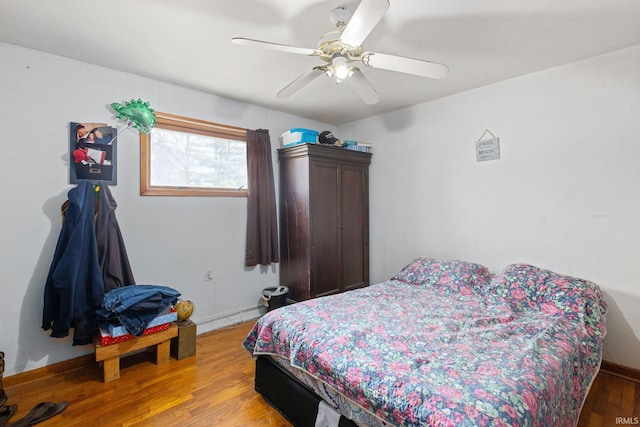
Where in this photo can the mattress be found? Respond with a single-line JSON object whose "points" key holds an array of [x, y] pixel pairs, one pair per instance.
{"points": [[441, 344]]}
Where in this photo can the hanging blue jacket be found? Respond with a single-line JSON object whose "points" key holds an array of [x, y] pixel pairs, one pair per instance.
{"points": [[74, 288]]}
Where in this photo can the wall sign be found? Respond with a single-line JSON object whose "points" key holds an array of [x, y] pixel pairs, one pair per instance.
{"points": [[487, 149]]}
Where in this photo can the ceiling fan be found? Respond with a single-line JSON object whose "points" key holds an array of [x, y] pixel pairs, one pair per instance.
{"points": [[341, 48]]}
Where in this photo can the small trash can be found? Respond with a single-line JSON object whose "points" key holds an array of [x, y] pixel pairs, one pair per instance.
{"points": [[275, 297]]}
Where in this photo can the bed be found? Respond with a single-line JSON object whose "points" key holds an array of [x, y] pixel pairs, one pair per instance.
{"points": [[441, 343]]}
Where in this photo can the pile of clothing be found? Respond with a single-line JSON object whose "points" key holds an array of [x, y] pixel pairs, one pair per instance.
{"points": [[135, 306], [90, 280]]}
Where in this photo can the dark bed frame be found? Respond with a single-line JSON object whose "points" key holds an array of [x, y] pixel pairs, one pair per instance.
{"points": [[292, 399]]}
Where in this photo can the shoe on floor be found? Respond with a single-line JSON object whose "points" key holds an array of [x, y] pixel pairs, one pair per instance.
{"points": [[7, 412], [41, 412]]}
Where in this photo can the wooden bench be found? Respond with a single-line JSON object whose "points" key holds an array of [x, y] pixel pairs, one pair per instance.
{"points": [[110, 354]]}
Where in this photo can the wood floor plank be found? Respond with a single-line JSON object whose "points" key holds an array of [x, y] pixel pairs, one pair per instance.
{"points": [[637, 407], [215, 388], [628, 395], [595, 420]]}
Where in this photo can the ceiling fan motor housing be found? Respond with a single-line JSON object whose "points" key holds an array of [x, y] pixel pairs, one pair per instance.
{"points": [[339, 17]]}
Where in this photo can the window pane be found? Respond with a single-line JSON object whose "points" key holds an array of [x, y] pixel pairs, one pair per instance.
{"points": [[180, 159]]}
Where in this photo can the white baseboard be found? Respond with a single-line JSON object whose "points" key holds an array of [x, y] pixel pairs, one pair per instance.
{"points": [[228, 319]]}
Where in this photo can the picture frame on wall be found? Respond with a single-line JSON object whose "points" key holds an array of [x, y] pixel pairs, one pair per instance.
{"points": [[92, 153]]}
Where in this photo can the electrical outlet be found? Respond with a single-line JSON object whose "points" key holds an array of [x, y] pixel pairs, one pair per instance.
{"points": [[208, 275]]}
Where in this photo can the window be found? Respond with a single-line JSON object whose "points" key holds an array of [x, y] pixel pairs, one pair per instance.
{"points": [[189, 157]]}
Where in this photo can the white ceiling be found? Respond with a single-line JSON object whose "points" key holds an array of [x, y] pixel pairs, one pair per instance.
{"points": [[188, 43]]}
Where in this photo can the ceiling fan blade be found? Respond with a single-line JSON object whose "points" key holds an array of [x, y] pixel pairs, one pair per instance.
{"points": [[275, 46], [403, 64], [363, 87], [302, 80], [364, 19]]}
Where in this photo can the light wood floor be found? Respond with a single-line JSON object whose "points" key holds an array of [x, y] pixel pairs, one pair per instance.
{"points": [[215, 388]]}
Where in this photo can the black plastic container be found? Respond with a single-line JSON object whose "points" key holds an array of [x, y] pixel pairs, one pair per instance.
{"points": [[275, 297]]}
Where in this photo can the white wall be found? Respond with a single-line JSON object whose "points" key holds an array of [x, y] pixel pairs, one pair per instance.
{"points": [[565, 194], [170, 241]]}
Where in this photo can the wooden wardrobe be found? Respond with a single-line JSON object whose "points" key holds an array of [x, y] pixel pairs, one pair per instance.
{"points": [[324, 220]]}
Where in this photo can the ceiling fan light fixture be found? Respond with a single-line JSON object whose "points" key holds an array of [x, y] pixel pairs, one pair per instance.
{"points": [[341, 68]]}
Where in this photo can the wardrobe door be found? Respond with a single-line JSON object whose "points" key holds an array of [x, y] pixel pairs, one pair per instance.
{"points": [[295, 259], [325, 228], [354, 227]]}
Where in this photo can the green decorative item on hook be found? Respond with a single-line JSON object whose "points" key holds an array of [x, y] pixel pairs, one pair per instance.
{"points": [[137, 113]]}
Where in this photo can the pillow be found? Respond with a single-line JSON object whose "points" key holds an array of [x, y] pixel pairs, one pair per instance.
{"points": [[526, 288], [452, 275], [522, 285]]}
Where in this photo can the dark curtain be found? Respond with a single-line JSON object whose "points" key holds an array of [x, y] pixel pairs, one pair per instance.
{"points": [[262, 223]]}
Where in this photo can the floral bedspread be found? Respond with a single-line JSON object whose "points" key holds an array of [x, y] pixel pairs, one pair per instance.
{"points": [[450, 349]]}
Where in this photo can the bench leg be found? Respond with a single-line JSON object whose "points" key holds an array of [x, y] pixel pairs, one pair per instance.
{"points": [[162, 352], [111, 369], [109, 355]]}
